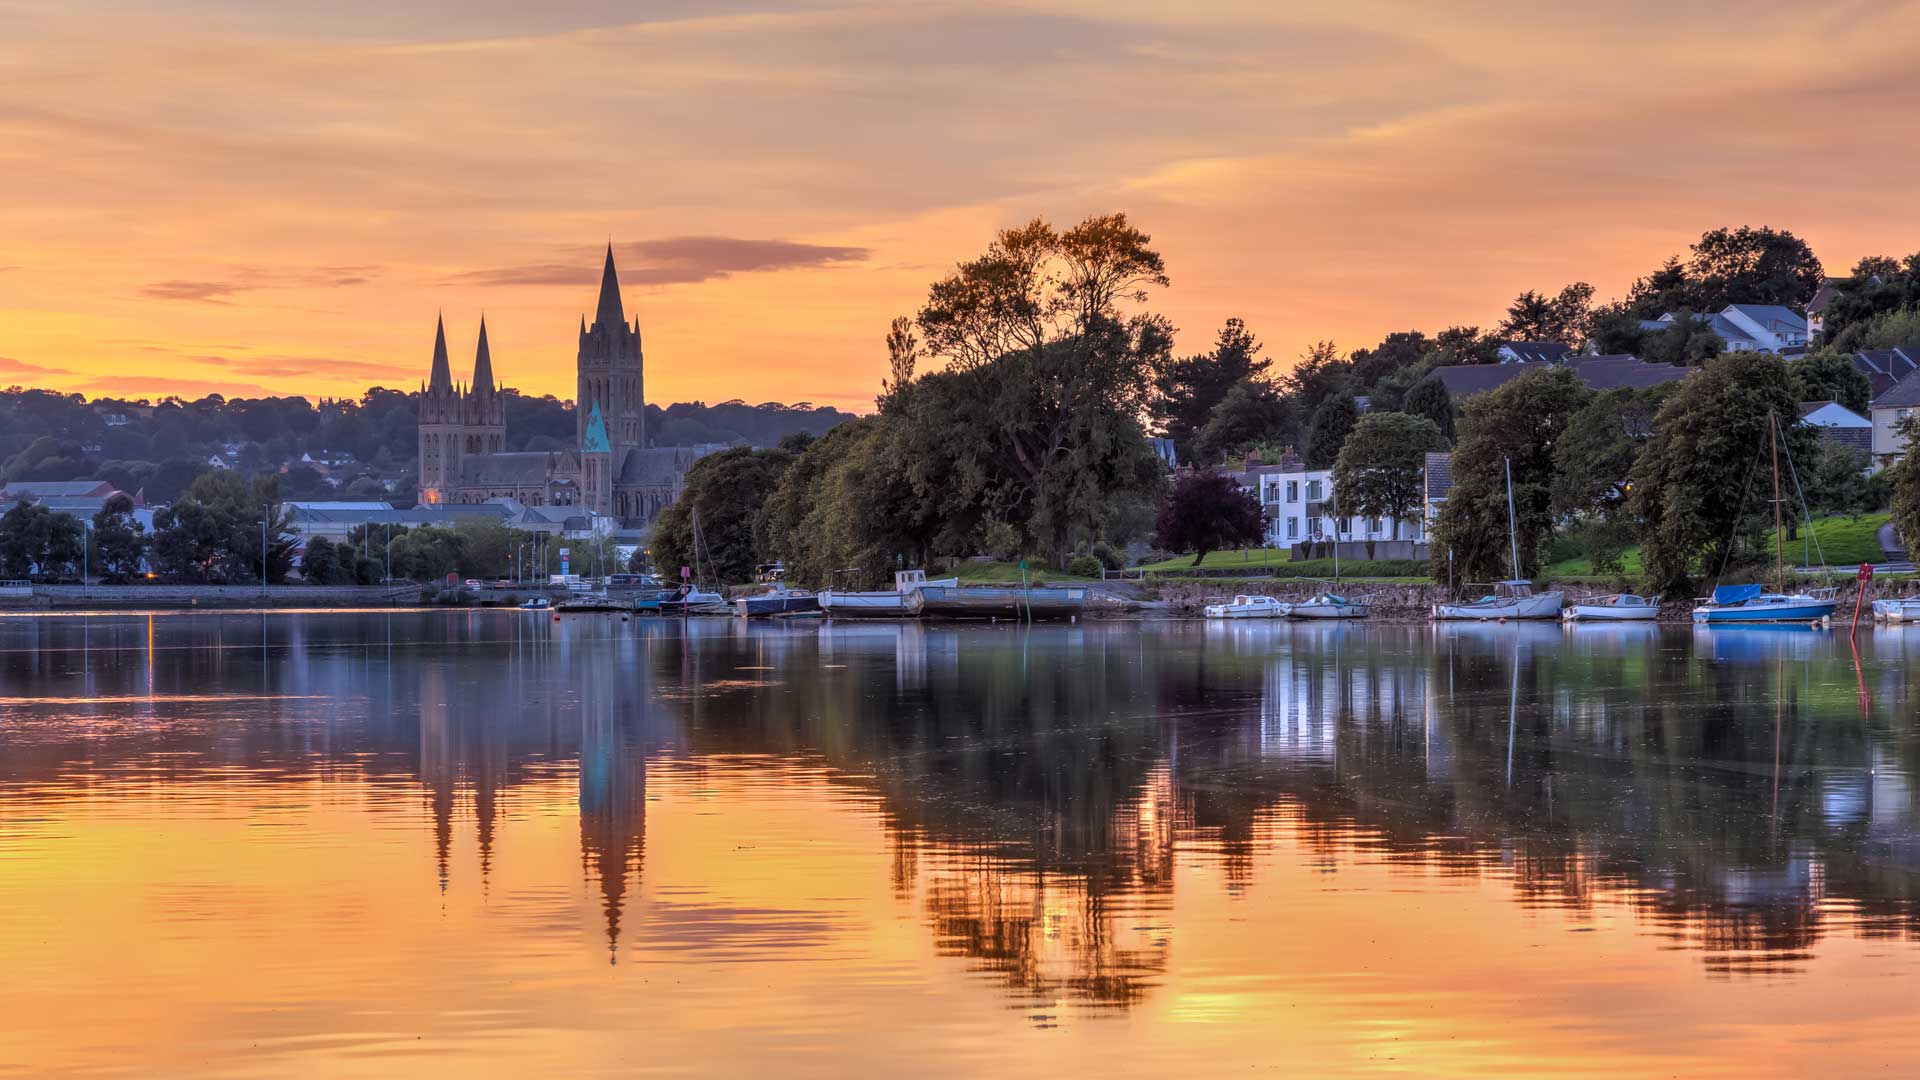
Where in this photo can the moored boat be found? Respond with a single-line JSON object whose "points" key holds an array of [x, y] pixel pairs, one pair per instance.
{"points": [[779, 601], [1248, 607], [1509, 600], [1328, 605], [999, 602], [880, 604], [1619, 607], [1753, 604], [1904, 609], [535, 603]]}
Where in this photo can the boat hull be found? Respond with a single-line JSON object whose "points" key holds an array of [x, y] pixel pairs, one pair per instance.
{"points": [[1230, 611], [760, 607], [865, 605], [1543, 606], [1897, 611], [1611, 613], [976, 602], [1804, 611], [1329, 611]]}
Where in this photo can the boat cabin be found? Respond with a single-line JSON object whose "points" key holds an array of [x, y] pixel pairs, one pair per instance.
{"points": [[1512, 590], [907, 580]]}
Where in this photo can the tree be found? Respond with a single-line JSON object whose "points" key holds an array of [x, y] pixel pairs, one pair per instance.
{"points": [[1834, 480], [1519, 424], [1187, 391], [1687, 341], [1593, 465], [1381, 470], [1732, 266], [214, 532], [119, 541], [1207, 511], [1251, 414], [36, 542], [1396, 352], [728, 491], [1055, 318], [1903, 477], [1430, 398], [1701, 486], [1332, 422], [1321, 374], [1563, 318], [322, 564], [1830, 376]]}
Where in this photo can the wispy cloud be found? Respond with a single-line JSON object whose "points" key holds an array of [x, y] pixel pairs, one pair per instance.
{"points": [[142, 385], [307, 368], [678, 260], [205, 292], [10, 366]]}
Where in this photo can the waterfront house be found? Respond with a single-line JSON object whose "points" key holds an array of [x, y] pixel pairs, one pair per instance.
{"points": [[1299, 504], [1889, 408]]}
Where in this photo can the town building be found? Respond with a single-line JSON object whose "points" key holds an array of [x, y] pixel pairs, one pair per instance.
{"points": [[611, 471], [1895, 404], [1609, 372], [1750, 328], [337, 521], [1301, 511], [1839, 424], [1534, 352], [1884, 367]]}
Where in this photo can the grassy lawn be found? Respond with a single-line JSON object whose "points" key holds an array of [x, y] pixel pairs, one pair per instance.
{"points": [[1003, 573], [1277, 563], [1845, 542]]}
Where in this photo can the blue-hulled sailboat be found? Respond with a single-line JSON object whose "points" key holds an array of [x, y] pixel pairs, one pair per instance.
{"points": [[1752, 603]]}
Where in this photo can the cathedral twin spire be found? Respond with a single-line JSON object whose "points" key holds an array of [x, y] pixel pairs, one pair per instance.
{"points": [[441, 378]]}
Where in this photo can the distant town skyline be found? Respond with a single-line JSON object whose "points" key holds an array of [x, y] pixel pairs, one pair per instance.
{"points": [[220, 197]]}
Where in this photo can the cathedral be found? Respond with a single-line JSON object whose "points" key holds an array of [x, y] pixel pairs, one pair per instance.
{"points": [[610, 471]]}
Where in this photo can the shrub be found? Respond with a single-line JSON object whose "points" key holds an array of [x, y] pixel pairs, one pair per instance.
{"points": [[1085, 566], [1001, 541], [1110, 557]]}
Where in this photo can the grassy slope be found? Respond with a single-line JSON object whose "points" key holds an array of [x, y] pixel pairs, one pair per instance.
{"points": [[1002, 573], [1845, 542]]}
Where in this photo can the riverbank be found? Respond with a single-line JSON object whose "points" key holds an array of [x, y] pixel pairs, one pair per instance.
{"points": [[189, 597]]}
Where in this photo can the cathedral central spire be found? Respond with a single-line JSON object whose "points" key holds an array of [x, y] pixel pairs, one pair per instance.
{"points": [[442, 378], [610, 314]]}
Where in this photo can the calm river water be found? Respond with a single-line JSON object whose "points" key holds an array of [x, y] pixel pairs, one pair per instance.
{"points": [[491, 844]]}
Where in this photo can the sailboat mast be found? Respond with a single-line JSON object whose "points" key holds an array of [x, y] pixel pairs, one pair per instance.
{"points": [[1336, 531], [1513, 531], [1779, 537]]}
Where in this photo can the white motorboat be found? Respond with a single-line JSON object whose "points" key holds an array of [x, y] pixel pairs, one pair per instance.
{"points": [[1620, 607], [881, 604], [1249, 607], [1509, 600], [1327, 605], [1906, 609]]}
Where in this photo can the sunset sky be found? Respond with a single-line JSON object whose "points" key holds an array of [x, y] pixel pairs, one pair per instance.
{"points": [[225, 195]]}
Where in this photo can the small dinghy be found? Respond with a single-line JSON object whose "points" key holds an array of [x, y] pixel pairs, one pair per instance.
{"points": [[1620, 607], [1906, 609], [1248, 607], [1328, 605]]}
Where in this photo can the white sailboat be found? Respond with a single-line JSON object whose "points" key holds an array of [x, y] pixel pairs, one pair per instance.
{"points": [[1619, 607], [880, 604], [1514, 599]]}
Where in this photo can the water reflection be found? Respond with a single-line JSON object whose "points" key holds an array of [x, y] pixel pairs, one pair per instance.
{"points": [[1739, 793]]}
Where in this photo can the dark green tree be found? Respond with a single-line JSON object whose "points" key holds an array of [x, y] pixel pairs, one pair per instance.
{"points": [[1593, 468], [1332, 422], [1430, 398], [1381, 470], [1702, 486], [1903, 479], [1732, 266], [1830, 376], [119, 541], [1563, 318], [1519, 423], [1397, 352], [1687, 341], [1322, 373], [321, 565], [728, 492], [1252, 414], [1187, 390], [1206, 511], [38, 543]]}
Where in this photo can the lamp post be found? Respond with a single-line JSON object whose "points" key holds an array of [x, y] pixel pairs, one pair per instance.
{"points": [[263, 555]]}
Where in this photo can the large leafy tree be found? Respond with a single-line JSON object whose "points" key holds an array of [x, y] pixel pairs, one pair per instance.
{"points": [[1701, 487], [1563, 318], [1593, 466], [214, 533], [1732, 266], [119, 541], [845, 512], [1430, 398], [1381, 470], [1396, 352], [728, 493], [1321, 374], [1830, 376], [1207, 511], [36, 542], [1904, 480], [1058, 318], [1519, 423], [1252, 414], [1186, 391]]}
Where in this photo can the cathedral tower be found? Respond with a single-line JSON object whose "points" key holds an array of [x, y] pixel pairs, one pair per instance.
{"points": [[442, 425], [611, 371], [485, 410]]}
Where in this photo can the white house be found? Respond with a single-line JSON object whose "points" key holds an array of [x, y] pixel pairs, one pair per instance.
{"points": [[1893, 405], [1300, 506], [1750, 328]]}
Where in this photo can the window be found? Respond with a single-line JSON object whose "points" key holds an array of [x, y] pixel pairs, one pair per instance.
{"points": [[1344, 527], [1313, 491], [1273, 491], [1293, 528], [1293, 491], [1313, 526]]}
